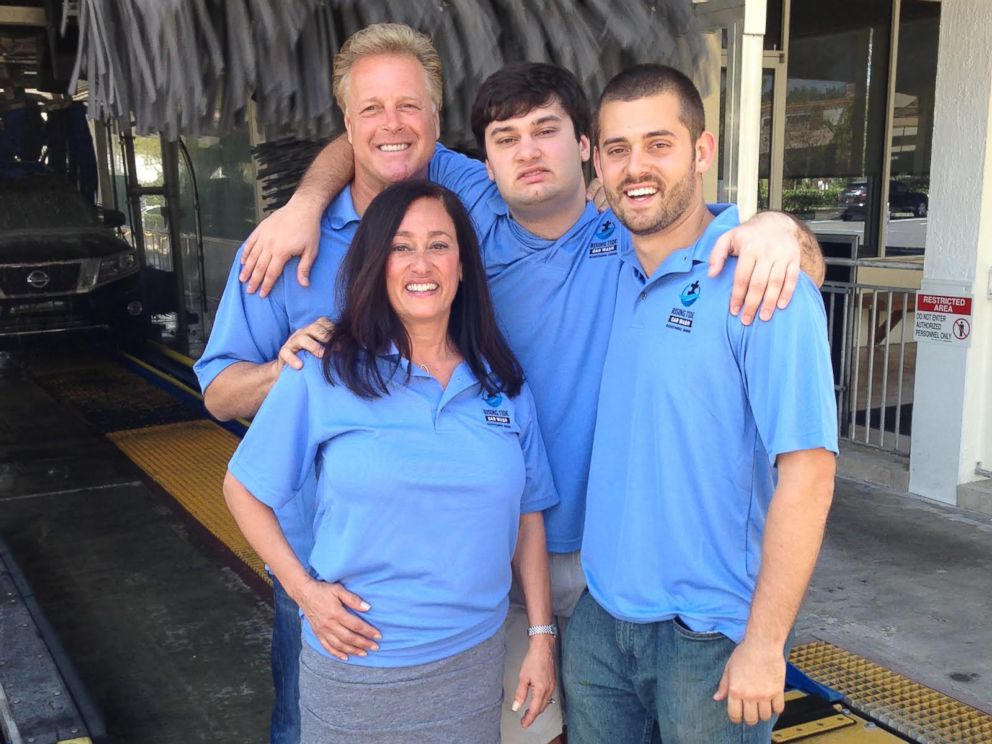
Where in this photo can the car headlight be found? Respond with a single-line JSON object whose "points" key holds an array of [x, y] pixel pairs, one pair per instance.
{"points": [[97, 271], [118, 265]]}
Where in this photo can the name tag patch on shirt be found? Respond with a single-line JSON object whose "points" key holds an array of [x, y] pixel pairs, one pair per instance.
{"points": [[496, 416], [680, 318]]}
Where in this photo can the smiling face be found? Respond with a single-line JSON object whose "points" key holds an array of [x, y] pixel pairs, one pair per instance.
{"points": [[536, 159], [424, 268], [648, 163], [391, 121]]}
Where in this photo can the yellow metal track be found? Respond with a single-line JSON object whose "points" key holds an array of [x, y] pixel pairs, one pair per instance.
{"points": [[161, 375], [172, 380], [915, 711], [189, 461], [172, 354]]}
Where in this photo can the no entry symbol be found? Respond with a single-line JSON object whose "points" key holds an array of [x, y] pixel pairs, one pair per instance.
{"points": [[961, 329]]}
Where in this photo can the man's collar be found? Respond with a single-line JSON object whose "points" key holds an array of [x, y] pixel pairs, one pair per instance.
{"points": [[341, 212], [498, 206], [725, 216]]}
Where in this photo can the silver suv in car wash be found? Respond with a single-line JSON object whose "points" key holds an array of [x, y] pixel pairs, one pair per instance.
{"points": [[63, 267]]}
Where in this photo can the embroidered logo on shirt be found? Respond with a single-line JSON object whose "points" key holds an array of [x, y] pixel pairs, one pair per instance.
{"points": [[497, 416], [690, 294], [606, 229], [608, 248], [494, 415], [605, 245], [680, 319]]}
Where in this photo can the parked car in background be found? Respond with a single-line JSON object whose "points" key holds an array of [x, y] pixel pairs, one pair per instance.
{"points": [[63, 267], [902, 200]]}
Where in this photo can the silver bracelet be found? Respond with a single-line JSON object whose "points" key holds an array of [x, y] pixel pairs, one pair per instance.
{"points": [[550, 630]]}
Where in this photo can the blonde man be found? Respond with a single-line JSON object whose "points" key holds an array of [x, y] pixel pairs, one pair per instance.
{"points": [[387, 81]]}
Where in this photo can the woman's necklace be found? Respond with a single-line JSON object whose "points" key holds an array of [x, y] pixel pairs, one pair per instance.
{"points": [[427, 368]]}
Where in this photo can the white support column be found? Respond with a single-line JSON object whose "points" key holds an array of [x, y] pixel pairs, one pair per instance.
{"points": [[711, 109], [750, 122], [952, 410]]}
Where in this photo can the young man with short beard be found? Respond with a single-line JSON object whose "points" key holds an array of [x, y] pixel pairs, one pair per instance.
{"points": [[713, 459]]}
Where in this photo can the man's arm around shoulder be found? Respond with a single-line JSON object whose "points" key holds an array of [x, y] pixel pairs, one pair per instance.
{"points": [[294, 228], [773, 247], [239, 390]]}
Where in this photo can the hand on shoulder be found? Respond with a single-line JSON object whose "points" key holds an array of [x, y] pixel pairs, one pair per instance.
{"points": [[292, 230]]}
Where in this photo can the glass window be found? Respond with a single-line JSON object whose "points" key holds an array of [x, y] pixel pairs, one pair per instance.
{"points": [[912, 127], [149, 171], [773, 25], [835, 115], [225, 179], [148, 161]]}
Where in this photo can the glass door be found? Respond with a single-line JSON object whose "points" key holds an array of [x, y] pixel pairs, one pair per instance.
{"points": [[145, 172]]}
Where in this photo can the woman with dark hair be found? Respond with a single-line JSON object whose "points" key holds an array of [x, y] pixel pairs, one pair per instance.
{"points": [[431, 480]]}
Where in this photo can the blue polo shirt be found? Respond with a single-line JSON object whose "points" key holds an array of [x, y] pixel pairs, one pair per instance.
{"points": [[419, 495], [248, 328], [693, 410], [554, 301]]}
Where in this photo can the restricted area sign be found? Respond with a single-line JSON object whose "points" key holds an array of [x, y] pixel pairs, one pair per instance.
{"points": [[943, 318]]}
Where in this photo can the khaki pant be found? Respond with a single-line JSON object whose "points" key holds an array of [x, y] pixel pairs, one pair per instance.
{"points": [[567, 585]]}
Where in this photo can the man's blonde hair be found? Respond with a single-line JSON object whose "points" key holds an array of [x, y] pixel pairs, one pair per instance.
{"points": [[387, 38]]}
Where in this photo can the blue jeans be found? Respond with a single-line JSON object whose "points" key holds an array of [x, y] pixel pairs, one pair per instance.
{"points": [[633, 683], [286, 635]]}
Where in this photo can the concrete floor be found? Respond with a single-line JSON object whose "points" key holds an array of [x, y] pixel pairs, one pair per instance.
{"points": [[907, 583], [171, 643], [174, 646]]}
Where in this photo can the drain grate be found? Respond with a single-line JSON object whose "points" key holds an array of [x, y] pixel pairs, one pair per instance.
{"points": [[915, 711], [110, 397]]}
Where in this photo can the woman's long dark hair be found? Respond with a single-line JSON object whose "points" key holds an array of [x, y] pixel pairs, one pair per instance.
{"points": [[369, 326]]}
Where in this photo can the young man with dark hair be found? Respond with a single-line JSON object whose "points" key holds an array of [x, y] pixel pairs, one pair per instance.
{"points": [[713, 460], [550, 257]]}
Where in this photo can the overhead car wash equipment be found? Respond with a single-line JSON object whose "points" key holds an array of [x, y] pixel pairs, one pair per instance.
{"points": [[191, 66]]}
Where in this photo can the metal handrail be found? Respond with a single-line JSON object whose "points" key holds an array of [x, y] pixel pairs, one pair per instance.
{"points": [[850, 305], [877, 263]]}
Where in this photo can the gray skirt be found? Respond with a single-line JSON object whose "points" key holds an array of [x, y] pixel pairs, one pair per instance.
{"points": [[452, 700]]}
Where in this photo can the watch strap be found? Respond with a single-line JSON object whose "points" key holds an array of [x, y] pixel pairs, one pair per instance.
{"points": [[550, 630]]}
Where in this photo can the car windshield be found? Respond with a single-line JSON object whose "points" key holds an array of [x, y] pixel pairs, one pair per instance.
{"points": [[42, 203]]}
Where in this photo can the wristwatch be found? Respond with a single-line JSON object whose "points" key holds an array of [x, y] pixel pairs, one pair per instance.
{"points": [[550, 630]]}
